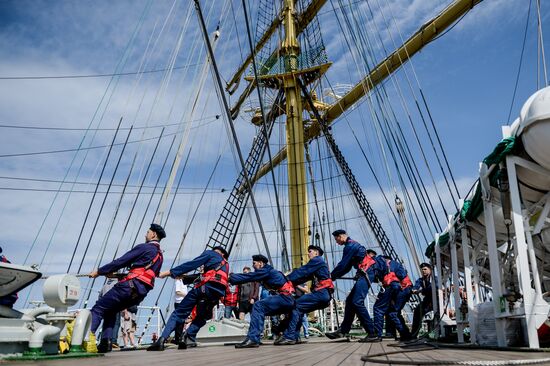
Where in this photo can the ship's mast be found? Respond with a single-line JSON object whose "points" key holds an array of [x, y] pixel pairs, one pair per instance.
{"points": [[297, 188]]}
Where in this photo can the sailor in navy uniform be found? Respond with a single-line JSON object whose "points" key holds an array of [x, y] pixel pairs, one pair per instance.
{"points": [[282, 302], [317, 271], [423, 285], [357, 256], [145, 262], [207, 292], [391, 275]]}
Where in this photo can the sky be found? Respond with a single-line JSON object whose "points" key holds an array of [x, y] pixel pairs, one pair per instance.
{"points": [[58, 62]]}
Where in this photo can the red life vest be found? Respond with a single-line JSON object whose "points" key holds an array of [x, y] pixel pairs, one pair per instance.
{"points": [[286, 289], [406, 282], [231, 298], [216, 275], [327, 283], [389, 277], [145, 274], [366, 263]]}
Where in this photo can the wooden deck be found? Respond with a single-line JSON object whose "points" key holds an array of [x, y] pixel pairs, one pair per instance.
{"points": [[317, 352]]}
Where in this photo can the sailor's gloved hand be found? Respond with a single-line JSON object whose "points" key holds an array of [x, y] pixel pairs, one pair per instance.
{"points": [[164, 274], [93, 274]]}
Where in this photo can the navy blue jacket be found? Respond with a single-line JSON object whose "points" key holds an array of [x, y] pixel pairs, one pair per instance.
{"points": [[210, 260], [269, 277], [424, 285], [383, 268], [316, 269], [139, 256], [352, 256]]}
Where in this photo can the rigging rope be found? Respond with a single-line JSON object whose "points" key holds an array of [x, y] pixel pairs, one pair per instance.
{"points": [[96, 75], [92, 200], [286, 266], [184, 138], [540, 42], [386, 111], [184, 236], [138, 193], [119, 65], [103, 247], [53, 128], [229, 121], [520, 63], [427, 107], [152, 193], [421, 186], [103, 202], [178, 185], [390, 207]]}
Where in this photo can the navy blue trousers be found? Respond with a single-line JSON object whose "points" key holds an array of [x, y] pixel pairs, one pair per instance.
{"points": [[107, 307], [304, 304], [355, 305], [205, 298], [271, 305], [400, 301], [386, 303]]}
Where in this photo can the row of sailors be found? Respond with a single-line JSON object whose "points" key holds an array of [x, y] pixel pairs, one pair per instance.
{"points": [[145, 261]]}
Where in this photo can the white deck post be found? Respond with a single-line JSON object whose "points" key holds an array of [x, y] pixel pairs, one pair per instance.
{"points": [[458, 300], [522, 264], [494, 263], [468, 285], [475, 273]]}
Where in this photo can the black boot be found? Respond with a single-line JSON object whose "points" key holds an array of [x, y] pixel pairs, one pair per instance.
{"points": [[104, 346], [247, 343], [285, 342], [186, 343], [158, 345], [371, 339], [335, 335]]}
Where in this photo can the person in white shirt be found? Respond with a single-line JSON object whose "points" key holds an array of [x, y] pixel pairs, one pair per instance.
{"points": [[181, 291], [128, 326]]}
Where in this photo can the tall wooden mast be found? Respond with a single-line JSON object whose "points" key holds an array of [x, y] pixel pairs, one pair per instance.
{"points": [[297, 188]]}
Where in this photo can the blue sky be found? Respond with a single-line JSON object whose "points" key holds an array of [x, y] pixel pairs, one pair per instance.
{"points": [[467, 76]]}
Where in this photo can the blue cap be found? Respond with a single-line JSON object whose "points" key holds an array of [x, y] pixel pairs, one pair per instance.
{"points": [[260, 258], [315, 247], [158, 230], [222, 249], [338, 232]]}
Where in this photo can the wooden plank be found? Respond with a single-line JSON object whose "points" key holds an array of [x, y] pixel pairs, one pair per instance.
{"points": [[316, 353], [339, 355]]}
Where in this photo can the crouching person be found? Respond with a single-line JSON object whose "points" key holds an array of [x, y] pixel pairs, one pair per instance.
{"points": [[204, 296], [281, 303]]}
